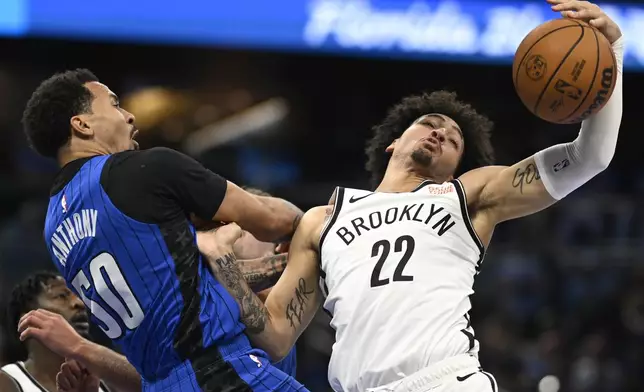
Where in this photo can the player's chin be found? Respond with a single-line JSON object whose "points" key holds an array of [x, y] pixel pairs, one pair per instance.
{"points": [[82, 328], [422, 157]]}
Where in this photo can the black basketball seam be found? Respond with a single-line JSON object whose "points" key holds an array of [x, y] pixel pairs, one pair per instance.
{"points": [[591, 83], [563, 60], [516, 76]]}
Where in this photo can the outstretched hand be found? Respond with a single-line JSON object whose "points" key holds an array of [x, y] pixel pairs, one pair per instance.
{"points": [[590, 13], [50, 329]]}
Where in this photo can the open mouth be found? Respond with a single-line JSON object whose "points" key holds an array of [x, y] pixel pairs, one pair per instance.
{"points": [[135, 133], [80, 322]]}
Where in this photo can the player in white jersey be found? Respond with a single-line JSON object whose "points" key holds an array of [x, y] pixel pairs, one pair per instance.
{"points": [[59, 321], [396, 266]]}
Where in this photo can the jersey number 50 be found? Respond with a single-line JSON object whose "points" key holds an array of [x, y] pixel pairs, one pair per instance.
{"points": [[386, 247], [119, 297]]}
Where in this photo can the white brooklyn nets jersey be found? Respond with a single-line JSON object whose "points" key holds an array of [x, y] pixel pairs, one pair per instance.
{"points": [[397, 270], [26, 382]]}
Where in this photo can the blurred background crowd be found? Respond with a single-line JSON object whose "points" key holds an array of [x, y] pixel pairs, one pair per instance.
{"points": [[282, 98]]}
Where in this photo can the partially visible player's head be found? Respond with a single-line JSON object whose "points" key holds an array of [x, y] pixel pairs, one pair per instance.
{"points": [[248, 247], [73, 110], [432, 135], [42, 290]]}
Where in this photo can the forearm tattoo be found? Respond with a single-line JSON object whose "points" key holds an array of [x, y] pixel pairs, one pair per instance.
{"points": [[263, 273], [525, 176], [253, 311], [296, 220], [295, 308]]}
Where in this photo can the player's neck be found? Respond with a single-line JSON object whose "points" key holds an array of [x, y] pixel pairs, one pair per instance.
{"points": [[76, 149], [400, 181], [43, 364]]}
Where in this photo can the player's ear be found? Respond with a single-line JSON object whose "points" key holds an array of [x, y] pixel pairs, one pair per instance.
{"points": [[391, 147], [80, 126]]}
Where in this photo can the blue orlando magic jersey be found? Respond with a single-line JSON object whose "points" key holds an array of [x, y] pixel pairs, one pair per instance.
{"points": [[142, 278]]}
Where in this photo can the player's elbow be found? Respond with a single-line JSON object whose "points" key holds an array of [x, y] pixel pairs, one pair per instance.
{"points": [[278, 353], [276, 346], [603, 160]]}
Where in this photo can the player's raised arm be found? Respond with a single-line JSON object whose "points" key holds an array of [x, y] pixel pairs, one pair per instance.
{"points": [[267, 218], [175, 178], [537, 182], [293, 301]]}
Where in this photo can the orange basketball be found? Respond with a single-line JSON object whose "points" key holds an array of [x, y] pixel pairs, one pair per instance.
{"points": [[564, 71]]}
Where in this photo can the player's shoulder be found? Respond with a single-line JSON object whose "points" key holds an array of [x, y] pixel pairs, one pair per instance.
{"points": [[315, 216], [475, 180], [154, 164], [7, 383], [156, 155], [314, 220]]}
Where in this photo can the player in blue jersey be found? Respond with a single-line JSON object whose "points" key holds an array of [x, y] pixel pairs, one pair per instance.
{"points": [[250, 248], [118, 230]]}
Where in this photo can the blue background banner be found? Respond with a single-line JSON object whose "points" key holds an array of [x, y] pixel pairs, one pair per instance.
{"points": [[465, 30]]}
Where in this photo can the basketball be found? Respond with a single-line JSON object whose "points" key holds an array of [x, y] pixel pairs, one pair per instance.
{"points": [[564, 71]]}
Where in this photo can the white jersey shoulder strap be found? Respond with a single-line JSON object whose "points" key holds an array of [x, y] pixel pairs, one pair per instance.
{"points": [[24, 380], [27, 383]]}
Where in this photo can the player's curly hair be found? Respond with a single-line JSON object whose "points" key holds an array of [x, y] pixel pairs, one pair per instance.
{"points": [[23, 299], [56, 100], [477, 130]]}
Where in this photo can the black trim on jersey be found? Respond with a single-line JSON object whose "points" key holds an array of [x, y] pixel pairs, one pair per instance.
{"points": [[15, 382], [103, 386], [423, 184], [324, 286], [215, 374], [460, 191], [33, 380], [337, 206], [65, 175], [470, 336], [492, 382], [188, 339]]}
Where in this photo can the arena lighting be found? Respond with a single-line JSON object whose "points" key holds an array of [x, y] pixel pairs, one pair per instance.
{"points": [[478, 31], [249, 121]]}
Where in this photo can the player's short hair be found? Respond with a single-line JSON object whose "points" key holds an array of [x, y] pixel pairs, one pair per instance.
{"points": [[46, 118], [477, 130], [23, 299]]}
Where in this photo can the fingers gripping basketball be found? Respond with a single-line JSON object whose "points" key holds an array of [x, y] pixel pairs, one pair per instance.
{"points": [[564, 71]]}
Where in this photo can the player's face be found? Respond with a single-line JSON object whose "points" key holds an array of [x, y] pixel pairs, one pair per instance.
{"points": [[111, 126], [248, 247], [58, 298], [432, 146]]}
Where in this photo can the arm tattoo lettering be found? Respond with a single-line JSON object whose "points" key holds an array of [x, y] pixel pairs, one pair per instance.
{"points": [[263, 273], [295, 308], [525, 176], [253, 312]]}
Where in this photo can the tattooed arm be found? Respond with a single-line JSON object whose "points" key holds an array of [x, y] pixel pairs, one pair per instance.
{"points": [[275, 325], [506, 192], [264, 272]]}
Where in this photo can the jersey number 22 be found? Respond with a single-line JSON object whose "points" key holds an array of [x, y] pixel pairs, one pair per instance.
{"points": [[119, 296], [385, 245]]}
